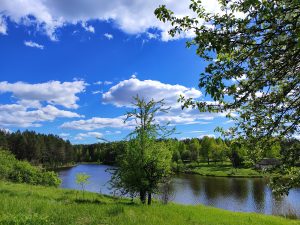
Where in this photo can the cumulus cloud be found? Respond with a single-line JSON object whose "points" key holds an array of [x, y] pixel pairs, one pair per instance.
{"points": [[132, 16], [108, 36], [122, 93], [82, 136], [37, 103], [96, 123], [33, 45], [17, 115], [53, 92]]}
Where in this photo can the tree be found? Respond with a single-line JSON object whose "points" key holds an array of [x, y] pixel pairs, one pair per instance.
{"points": [[194, 148], [207, 148], [253, 55], [146, 162], [235, 154], [82, 179]]}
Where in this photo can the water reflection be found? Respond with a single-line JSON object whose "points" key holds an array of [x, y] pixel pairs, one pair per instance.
{"points": [[258, 194], [236, 194]]}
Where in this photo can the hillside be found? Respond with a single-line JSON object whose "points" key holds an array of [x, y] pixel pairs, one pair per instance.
{"points": [[27, 204]]}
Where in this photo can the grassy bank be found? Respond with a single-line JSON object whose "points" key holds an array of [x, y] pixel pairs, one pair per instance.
{"points": [[25, 204], [220, 170]]}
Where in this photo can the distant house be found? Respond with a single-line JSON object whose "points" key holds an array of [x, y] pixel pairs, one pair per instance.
{"points": [[267, 163]]}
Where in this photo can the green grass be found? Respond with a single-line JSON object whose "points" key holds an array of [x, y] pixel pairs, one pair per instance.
{"points": [[25, 204], [220, 170]]}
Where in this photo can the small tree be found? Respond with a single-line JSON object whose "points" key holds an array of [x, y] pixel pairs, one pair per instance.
{"points": [[82, 179], [146, 162]]}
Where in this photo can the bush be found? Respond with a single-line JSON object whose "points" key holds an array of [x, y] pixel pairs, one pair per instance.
{"points": [[14, 170]]}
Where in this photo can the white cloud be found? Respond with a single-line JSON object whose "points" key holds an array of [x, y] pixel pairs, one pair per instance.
{"points": [[87, 27], [3, 26], [122, 93], [152, 36], [33, 45], [108, 132], [96, 123], [107, 82], [196, 131], [132, 16], [64, 135], [207, 135], [98, 82], [103, 82], [17, 115], [52, 92], [36, 103], [82, 136], [97, 92], [108, 36]]}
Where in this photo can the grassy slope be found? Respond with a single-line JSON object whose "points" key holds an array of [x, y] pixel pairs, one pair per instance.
{"points": [[25, 204], [220, 170]]}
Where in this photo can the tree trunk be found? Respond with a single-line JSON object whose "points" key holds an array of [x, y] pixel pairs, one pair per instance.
{"points": [[149, 198], [143, 196]]}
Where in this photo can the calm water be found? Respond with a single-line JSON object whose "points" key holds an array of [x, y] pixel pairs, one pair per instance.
{"points": [[236, 194]]}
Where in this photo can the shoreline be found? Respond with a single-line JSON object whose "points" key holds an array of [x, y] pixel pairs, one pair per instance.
{"points": [[187, 170]]}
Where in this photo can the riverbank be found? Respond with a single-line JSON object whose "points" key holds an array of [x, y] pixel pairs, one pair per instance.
{"points": [[220, 170], [203, 169], [27, 204]]}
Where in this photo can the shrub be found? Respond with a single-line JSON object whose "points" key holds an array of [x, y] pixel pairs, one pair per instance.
{"points": [[14, 170]]}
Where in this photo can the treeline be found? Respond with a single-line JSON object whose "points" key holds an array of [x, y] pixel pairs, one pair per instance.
{"points": [[206, 149], [106, 153], [52, 151], [49, 150]]}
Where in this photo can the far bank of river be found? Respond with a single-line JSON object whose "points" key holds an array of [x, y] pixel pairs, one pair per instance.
{"points": [[235, 194]]}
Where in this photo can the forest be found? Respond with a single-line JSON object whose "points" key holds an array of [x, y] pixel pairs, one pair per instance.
{"points": [[52, 151]]}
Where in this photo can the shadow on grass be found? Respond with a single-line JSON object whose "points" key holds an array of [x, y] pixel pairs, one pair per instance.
{"points": [[89, 201]]}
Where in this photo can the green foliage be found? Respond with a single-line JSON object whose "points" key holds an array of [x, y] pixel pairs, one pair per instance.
{"points": [[146, 162], [220, 170], [247, 69], [236, 154], [49, 150], [194, 148], [23, 172], [82, 179]]}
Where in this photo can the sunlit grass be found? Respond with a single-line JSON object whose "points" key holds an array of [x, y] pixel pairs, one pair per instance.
{"points": [[221, 170], [25, 204]]}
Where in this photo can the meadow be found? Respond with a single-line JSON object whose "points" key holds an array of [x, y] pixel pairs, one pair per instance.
{"points": [[28, 204], [221, 170]]}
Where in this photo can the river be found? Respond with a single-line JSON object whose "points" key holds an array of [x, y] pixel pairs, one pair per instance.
{"points": [[235, 194]]}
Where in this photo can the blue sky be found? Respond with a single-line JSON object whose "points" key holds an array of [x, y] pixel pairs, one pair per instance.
{"points": [[75, 77]]}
